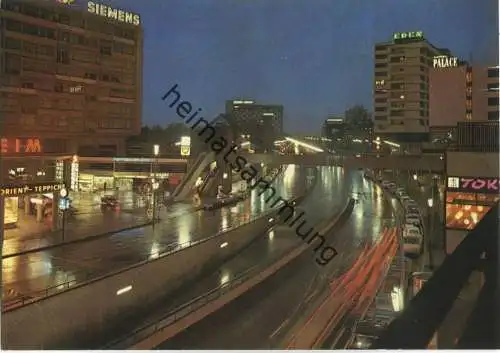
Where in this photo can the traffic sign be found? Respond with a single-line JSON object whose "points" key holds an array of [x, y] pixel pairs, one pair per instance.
{"points": [[149, 212], [63, 192]]}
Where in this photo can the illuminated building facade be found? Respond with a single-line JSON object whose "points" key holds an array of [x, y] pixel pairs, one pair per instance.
{"points": [[473, 182], [71, 77], [264, 123], [401, 86]]}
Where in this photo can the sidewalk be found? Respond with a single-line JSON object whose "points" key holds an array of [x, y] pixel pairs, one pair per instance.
{"points": [[31, 235]]}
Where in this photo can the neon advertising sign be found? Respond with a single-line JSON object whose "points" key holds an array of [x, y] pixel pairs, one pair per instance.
{"points": [[474, 185], [418, 35], [443, 61], [109, 12]]}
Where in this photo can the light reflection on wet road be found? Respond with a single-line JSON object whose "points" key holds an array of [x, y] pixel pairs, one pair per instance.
{"points": [[262, 316], [75, 262]]}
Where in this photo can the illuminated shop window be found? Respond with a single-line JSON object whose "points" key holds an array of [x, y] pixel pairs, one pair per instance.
{"points": [[465, 210]]}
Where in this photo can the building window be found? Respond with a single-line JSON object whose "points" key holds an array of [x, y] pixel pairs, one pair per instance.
{"points": [[62, 56], [493, 72], [14, 26], [380, 100], [11, 43], [380, 109], [28, 85], [380, 73], [397, 86], [105, 50], [380, 117], [90, 76], [493, 86], [64, 37], [380, 56], [12, 64], [493, 116], [379, 66], [397, 113], [493, 101]]}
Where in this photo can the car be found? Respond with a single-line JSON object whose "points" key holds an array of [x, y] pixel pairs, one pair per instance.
{"points": [[385, 183], [413, 220], [412, 230], [400, 191], [412, 213], [404, 198], [411, 203], [412, 244], [109, 202]]}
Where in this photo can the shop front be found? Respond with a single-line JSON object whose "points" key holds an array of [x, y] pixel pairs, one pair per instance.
{"points": [[468, 199], [472, 187], [38, 200]]}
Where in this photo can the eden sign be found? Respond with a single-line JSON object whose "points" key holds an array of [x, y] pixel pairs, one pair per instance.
{"points": [[480, 185], [444, 61], [408, 35]]}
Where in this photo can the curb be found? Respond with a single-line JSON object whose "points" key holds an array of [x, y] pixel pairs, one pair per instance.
{"points": [[82, 240]]}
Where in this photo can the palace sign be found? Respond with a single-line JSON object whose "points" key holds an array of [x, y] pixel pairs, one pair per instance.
{"points": [[109, 12], [12, 191], [443, 61], [474, 185], [407, 35]]}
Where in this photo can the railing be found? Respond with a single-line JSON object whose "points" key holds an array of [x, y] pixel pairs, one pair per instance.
{"points": [[184, 310], [415, 327], [88, 276]]}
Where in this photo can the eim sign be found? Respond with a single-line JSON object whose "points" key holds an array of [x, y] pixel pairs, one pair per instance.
{"points": [[470, 184]]}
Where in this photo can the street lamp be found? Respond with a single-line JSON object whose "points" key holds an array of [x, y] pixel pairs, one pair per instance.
{"points": [[430, 218], [154, 183], [415, 177]]}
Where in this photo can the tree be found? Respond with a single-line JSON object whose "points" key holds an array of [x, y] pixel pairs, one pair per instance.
{"points": [[358, 119]]}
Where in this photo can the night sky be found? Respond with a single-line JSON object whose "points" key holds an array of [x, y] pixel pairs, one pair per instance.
{"points": [[313, 56]]}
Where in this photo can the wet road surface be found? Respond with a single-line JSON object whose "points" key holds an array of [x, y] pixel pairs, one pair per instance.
{"points": [[262, 317], [73, 263]]}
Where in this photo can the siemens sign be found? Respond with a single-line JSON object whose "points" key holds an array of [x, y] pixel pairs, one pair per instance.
{"points": [[109, 12]]}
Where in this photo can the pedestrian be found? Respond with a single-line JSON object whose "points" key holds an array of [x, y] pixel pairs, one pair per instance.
{"points": [[105, 186]]}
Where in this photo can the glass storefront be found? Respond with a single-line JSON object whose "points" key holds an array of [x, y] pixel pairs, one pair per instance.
{"points": [[11, 211], [464, 209]]}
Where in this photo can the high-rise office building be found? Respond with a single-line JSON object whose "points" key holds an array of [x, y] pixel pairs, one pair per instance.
{"points": [[401, 86], [493, 92], [71, 77], [263, 122]]}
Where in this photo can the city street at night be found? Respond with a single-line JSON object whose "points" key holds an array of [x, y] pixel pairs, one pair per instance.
{"points": [[249, 175], [25, 275], [270, 310]]}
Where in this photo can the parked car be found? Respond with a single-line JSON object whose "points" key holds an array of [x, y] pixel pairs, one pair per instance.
{"points": [[109, 203], [412, 244], [412, 219]]}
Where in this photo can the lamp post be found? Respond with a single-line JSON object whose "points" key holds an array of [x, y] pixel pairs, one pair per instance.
{"points": [[154, 182], [430, 218]]}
